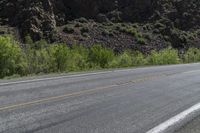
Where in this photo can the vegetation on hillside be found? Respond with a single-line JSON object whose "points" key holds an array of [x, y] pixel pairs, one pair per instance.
{"points": [[40, 57], [140, 25]]}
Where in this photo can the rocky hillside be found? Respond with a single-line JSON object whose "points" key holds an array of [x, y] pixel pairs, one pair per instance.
{"points": [[120, 24]]}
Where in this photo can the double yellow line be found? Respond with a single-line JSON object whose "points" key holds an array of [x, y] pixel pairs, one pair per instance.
{"points": [[55, 98]]}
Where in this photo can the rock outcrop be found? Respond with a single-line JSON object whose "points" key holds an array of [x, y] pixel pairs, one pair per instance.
{"points": [[39, 18]]}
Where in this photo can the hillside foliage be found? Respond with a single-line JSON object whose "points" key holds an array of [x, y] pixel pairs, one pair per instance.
{"points": [[40, 57]]}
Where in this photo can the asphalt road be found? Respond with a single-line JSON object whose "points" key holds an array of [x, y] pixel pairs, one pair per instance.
{"points": [[191, 127], [118, 101]]}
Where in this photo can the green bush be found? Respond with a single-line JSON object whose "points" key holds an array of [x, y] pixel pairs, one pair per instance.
{"points": [[28, 40], [166, 56], [12, 59], [61, 56], [39, 61], [192, 55], [100, 56], [128, 59], [138, 59], [40, 44], [134, 32], [78, 58], [40, 57], [122, 60], [141, 40]]}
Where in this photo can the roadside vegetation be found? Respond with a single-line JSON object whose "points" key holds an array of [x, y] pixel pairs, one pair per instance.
{"points": [[40, 57]]}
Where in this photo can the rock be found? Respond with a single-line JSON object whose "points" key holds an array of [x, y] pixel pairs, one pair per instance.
{"points": [[34, 17], [39, 18]]}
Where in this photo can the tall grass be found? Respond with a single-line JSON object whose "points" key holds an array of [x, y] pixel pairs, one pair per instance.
{"points": [[40, 57]]}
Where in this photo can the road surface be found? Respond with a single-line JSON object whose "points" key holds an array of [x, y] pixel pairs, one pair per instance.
{"points": [[191, 127], [118, 101]]}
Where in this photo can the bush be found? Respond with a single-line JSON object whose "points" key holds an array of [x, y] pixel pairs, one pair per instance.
{"points": [[39, 61], [141, 40], [78, 58], [68, 29], [41, 57], [61, 56], [78, 24], [84, 30], [82, 20], [122, 60], [138, 59], [128, 59], [166, 56], [192, 55], [28, 40], [100, 56], [57, 58], [134, 32], [12, 59]]}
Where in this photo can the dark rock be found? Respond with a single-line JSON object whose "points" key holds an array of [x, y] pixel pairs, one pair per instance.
{"points": [[39, 18]]}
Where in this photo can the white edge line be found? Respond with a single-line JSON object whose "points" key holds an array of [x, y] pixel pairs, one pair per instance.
{"points": [[163, 127], [194, 71], [61, 77], [67, 76], [52, 78]]}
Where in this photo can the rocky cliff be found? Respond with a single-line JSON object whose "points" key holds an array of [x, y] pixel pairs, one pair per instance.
{"points": [[120, 24]]}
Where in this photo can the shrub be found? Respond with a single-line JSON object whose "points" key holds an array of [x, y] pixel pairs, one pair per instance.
{"points": [[78, 24], [28, 40], [141, 40], [39, 44], [166, 56], [41, 57], [68, 29], [134, 32], [122, 60], [84, 30], [78, 58], [100, 56], [138, 59], [192, 55], [159, 25], [12, 59], [82, 20], [39, 61], [60, 55]]}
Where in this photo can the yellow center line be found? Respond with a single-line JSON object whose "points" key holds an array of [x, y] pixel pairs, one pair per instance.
{"points": [[55, 98]]}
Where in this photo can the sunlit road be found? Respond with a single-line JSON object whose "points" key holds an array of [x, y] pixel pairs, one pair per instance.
{"points": [[116, 101]]}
